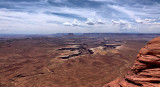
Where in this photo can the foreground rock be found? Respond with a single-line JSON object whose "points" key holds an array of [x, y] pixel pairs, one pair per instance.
{"points": [[146, 69]]}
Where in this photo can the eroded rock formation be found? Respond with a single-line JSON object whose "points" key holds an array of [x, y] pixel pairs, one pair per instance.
{"points": [[146, 70]]}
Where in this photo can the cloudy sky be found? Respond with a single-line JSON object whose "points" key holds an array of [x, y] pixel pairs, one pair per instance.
{"points": [[79, 16]]}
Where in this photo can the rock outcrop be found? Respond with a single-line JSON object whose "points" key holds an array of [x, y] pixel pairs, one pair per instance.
{"points": [[146, 70]]}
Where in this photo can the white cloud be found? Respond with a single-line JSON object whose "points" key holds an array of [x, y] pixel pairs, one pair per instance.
{"points": [[140, 21], [115, 22], [67, 24], [144, 21], [94, 21], [90, 22], [149, 20], [120, 22], [100, 21], [158, 23], [74, 23], [123, 25], [24, 22]]}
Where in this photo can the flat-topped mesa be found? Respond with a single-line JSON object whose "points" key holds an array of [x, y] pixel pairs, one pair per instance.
{"points": [[146, 70]]}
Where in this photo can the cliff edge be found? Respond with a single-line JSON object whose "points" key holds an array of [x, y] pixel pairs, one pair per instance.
{"points": [[146, 70]]}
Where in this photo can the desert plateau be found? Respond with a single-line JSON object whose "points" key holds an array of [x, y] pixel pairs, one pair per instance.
{"points": [[67, 60]]}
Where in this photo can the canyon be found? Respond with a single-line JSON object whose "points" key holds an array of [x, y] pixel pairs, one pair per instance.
{"points": [[88, 60]]}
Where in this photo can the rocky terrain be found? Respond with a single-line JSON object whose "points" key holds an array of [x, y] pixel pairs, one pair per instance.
{"points": [[146, 70], [67, 60]]}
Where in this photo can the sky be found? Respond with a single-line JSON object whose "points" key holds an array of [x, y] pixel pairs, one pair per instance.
{"points": [[79, 16]]}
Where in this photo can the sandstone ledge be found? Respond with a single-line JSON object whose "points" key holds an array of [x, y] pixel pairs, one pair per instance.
{"points": [[146, 70]]}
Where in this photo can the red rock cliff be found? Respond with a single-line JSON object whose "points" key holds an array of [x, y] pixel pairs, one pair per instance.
{"points": [[146, 70]]}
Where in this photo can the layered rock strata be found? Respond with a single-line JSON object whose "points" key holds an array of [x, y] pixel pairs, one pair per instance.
{"points": [[146, 70]]}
